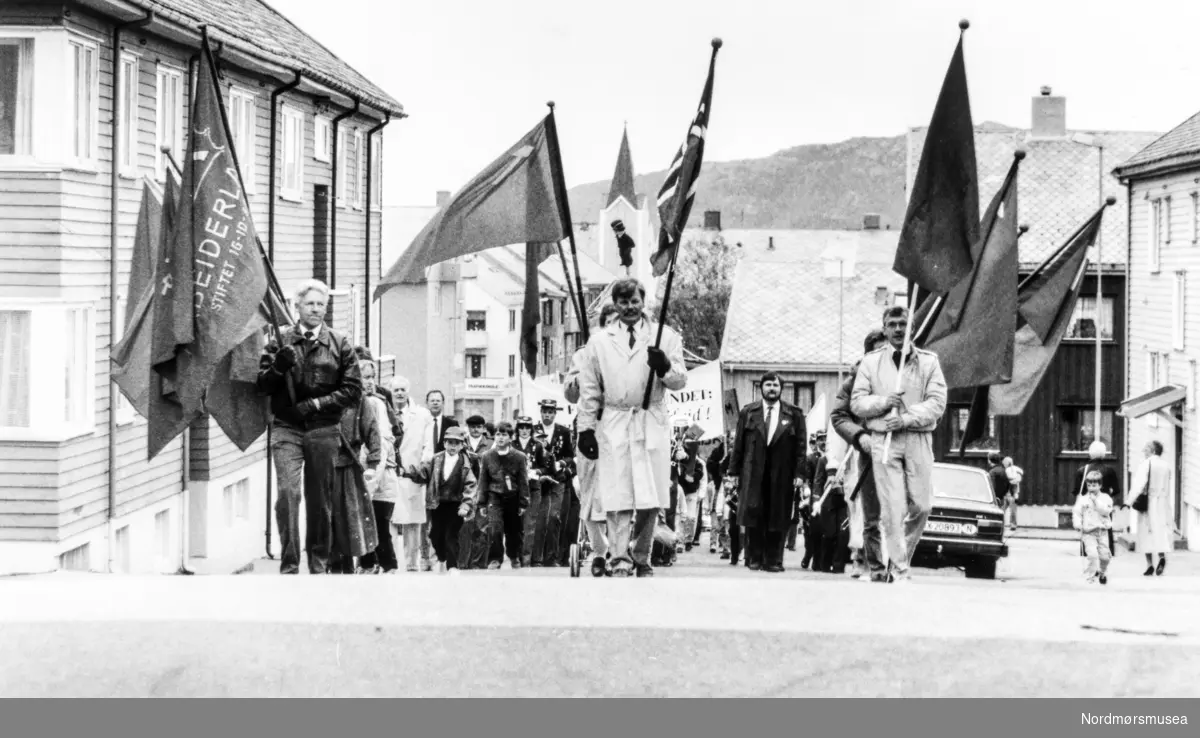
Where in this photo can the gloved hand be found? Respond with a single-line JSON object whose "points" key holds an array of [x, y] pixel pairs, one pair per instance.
{"points": [[657, 360], [285, 359], [306, 408], [588, 445], [464, 510]]}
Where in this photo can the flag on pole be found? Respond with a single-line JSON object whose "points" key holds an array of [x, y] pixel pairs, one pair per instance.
{"points": [[531, 314], [977, 348], [1046, 300], [678, 190], [212, 278], [942, 221], [513, 200]]}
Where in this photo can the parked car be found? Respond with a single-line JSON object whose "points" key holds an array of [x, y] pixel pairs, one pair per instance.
{"points": [[966, 526]]}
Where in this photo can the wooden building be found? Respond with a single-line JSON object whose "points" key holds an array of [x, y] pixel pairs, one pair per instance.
{"points": [[1163, 182], [93, 92], [1064, 177]]}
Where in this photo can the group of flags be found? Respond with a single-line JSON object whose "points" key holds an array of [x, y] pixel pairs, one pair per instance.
{"points": [[992, 331], [521, 197], [202, 290]]}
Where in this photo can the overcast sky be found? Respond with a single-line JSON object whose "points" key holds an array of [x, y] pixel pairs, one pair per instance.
{"points": [[474, 75]]}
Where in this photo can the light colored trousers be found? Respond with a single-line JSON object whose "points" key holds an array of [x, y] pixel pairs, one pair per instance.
{"points": [[416, 539], [1095, 545], [904, 481], [597, 533], [631, 534]]}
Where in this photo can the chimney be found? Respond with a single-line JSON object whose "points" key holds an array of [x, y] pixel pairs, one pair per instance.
{"points": [[443, 197], [712, 220], [1049, 115], [871, 222]]}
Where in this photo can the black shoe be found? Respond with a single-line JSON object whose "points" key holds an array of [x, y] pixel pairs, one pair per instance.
{"points": [[725, 555], [805, 562], [1162, 566], [1149, 571], [599, 567], [773, 568], [687, 547], [791, 548], [733, 561], [1104, 579], [645, 571], [755, 566]]}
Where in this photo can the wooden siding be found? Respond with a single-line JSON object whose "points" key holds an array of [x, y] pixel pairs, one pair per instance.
{"points": [[54, 245], [1151, 321], [1034, 438]]}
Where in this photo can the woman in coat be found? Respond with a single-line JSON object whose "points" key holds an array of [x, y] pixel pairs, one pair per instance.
{"points": [[1155, 526], [416, 451]]}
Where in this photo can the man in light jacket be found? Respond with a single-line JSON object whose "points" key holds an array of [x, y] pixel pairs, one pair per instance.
{"points": [[632, 445], [904, 476]]}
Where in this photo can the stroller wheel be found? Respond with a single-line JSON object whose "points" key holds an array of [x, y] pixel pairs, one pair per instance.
{"points": [[574, 557]]}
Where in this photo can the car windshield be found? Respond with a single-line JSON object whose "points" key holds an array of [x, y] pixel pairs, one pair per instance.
{"points": [[962, 483]]}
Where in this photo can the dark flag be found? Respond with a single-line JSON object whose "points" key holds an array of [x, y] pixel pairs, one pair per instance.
{"points": [[147, 240], [678, 190], [213, 277], [942, 222], [1047, 298], [531, 314], [978, 348], [513, 200]]}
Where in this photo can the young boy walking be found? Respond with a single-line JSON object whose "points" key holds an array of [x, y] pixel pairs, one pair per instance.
{"points": [[1092, 517]]}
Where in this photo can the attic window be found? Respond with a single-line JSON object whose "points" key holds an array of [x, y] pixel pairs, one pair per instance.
{"points": [[881, 295]]}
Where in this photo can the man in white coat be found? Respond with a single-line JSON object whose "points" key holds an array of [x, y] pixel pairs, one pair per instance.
{"points": [[632, 445], [416, 450]]}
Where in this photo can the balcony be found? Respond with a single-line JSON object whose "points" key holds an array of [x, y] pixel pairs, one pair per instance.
{"points": [[475, 340]]}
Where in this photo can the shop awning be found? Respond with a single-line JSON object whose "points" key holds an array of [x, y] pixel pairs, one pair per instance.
{"points": [[1155, 401]]}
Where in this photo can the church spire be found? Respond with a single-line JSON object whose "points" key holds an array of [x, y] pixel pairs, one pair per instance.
{"points": [[622, 181]]}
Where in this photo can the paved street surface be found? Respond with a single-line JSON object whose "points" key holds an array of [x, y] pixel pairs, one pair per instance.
{"points": [[700, 628]]}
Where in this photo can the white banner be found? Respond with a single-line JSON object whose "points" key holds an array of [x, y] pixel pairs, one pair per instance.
{"points": [[533, 391], [700, 401]]}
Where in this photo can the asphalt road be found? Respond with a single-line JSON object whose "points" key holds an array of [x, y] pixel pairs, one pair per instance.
{"points": [[701, 628]]}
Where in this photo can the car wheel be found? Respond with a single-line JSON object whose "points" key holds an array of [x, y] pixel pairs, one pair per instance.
{"points": [[981, 569]]}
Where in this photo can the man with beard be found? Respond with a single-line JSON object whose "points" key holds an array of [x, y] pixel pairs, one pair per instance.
{"points": [[632, 445], [859, 479], [904, 475], [765, 468]]}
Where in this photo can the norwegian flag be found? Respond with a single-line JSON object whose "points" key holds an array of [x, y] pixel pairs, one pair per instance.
{"points": [[679, 189]]}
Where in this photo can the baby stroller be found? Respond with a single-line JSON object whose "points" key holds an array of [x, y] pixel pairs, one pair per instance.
{"points": [[580, 550]]}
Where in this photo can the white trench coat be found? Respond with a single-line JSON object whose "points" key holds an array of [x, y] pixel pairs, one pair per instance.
{"points": [[634, 468], [1155, 526], [415, 449]]}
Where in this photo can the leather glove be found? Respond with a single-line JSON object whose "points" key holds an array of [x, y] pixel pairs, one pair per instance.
{"points": [[658, 361], [285, 359], [588, 446], [306, 408]]}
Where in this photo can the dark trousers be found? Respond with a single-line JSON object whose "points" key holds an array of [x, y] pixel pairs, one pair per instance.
{"points": [[384, 555], [474, 541], [835, 540], [735, 539], [793, 529], [764, 547], [320, 455], [699, 522], [506, 529], [812, 537], [570, 526], [543, 522], [287, 455], [444, 526]]}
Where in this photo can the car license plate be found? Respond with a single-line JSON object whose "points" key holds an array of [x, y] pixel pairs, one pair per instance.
{"points": [[937, 526]]}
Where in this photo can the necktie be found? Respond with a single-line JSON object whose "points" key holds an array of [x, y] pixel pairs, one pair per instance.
{"points": [[632, 338], [770, 414], [308, 336]]}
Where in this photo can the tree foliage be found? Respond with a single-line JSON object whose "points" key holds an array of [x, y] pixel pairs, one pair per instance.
{"points": [[701, 291]]}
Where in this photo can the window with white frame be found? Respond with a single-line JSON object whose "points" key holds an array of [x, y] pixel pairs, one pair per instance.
{"points": [[85, 102], [162, 534], [168, 119], [16, 96], [377, 172], [243, 124], [360, 169], [1152, 383], [1178, 316], [127, 100], [1084, 321], [1195, 217], [1152, 244], [292, 187], [1193, 386], [1166, 221], [345, 178], [56, 402], [322, 139]]}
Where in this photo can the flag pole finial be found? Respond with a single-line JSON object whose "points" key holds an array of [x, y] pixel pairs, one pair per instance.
{"points": [[1110, 200], [550, 104], [717, 42], [1019, 154], [964, 24], [1023, 229]]}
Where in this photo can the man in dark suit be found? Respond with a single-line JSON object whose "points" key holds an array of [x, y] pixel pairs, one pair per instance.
{"points": [[625, 245], [563, 528], [765, 468], [435, 401]]}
